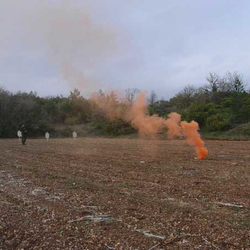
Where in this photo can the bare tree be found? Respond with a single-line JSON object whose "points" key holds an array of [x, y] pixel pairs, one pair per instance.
{"points": [[213, 80], [188, 91], [233, 82], [152, 99], [184, 98], [131, 95]]}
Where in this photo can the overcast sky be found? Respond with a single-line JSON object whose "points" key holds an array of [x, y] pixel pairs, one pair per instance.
{"points": [[53, 46]]}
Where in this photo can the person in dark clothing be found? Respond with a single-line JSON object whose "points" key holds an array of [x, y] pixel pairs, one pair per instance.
{"points": [[24, 134]]}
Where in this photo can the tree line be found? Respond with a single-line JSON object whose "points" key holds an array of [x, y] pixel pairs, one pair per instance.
{"points": [[220, 104]]}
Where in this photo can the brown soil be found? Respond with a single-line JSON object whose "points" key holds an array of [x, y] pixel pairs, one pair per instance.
{"points": [[47, 189]]}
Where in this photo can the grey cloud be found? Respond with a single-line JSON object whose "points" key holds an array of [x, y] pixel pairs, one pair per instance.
{"points": [[120, 44]]}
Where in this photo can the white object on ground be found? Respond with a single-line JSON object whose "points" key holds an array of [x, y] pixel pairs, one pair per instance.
{"points": [[74, 135], [19, 134], [47, 136]]}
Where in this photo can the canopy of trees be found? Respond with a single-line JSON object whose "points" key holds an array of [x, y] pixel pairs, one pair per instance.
{"points": [[218, 105]]}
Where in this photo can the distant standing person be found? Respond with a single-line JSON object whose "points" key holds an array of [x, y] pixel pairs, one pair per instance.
{"points": [[24, 134]]}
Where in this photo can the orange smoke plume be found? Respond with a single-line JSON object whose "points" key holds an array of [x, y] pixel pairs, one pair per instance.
{"points": [[146, 125], [190, 130], [151, 125], [173, 125], [110, 105]]}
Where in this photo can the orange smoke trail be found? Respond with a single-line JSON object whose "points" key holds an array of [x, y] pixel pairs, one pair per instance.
{"points": [[151, 125], [193, 138], [173, 125], [110, 105], [147, 125]]}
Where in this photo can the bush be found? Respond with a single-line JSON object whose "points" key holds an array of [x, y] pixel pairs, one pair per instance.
{"points": [[115, 127], [72, 120], [67, 132], [44, 126], [199, 112], [217, 123]]}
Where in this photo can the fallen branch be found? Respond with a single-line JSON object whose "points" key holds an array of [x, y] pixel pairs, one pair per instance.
{"points": [[92, 207], [153, 247], [176, 238], [52, 197], [146, 233], [38, 191], [229, 204], [76, 220], [98, 218], [111, 248]]}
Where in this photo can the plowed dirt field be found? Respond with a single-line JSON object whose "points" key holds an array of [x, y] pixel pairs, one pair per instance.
{"points": [[124, 194]]}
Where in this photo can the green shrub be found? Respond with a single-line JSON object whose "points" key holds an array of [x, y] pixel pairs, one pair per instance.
{"points": [[217, 123], [199, 112], [72, 120], [67, 132], [115, 127]]}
